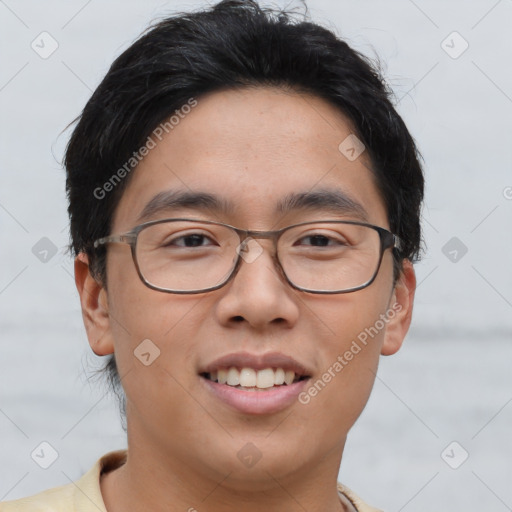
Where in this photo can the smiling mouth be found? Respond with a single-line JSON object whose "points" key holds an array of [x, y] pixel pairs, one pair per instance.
{"points": [[250, 379]]}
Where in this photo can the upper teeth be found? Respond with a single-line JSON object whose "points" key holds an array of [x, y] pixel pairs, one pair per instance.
{"points": [[249, 378]]}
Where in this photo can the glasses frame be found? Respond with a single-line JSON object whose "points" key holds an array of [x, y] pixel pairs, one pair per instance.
{"points": [[387, 239]]}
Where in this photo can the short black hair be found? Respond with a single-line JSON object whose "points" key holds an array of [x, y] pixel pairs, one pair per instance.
{"points": [[233, 44]]}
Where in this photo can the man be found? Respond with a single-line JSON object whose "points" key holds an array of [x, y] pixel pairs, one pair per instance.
{"points": [[244, 205]]}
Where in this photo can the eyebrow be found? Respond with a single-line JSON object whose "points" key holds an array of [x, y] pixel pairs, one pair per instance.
{"points": [[176, 199], [331, 200]]}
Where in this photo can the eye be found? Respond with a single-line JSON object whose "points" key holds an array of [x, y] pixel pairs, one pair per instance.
{"points": [[317, 240], [322, 240], [189, 240]]}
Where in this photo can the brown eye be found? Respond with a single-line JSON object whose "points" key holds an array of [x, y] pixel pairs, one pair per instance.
{"points": [[194, 240]]}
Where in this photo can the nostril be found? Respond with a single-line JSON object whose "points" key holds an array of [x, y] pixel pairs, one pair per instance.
{"points": [[238, 318]]}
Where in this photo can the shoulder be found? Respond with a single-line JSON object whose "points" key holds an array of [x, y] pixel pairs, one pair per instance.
{"points": [[84, 494], [52, 500], [356, 501]]}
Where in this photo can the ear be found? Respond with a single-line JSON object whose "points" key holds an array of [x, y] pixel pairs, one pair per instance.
{"points": [[400, 310], [93, 299]]}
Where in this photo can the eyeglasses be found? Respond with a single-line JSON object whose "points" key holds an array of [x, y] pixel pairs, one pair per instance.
{"points": [[196, 256]]}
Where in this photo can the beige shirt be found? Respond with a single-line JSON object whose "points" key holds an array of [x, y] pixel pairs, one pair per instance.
{"points": [[84, 495]]}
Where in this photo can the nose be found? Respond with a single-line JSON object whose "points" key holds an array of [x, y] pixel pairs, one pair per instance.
{"points": [[258, 294]]}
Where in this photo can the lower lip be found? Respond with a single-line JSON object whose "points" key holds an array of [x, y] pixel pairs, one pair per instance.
{"points": [[266, 401]]}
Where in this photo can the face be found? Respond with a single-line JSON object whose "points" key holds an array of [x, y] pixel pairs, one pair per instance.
{"points": [[251, 149]]}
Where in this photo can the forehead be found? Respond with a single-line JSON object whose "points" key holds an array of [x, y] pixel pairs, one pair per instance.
{"points": [[253, 150]]}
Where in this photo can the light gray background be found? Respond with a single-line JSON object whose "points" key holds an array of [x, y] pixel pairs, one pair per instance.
{"points": [[452, 381]]}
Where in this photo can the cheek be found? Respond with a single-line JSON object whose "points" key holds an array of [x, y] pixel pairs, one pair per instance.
{"points": [[160, 323], [353, 317], [137, 311], [153, 332], [351, 332], [155, 348]]}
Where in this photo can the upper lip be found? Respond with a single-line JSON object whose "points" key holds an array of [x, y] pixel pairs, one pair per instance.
{"points": [[257, 362]]}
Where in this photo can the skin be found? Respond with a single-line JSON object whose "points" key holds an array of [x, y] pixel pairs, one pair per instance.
{"points": [[251, 146]]}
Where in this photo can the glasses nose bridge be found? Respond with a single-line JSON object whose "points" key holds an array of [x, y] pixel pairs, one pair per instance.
{"points": [[249, 254], [254, 234]]}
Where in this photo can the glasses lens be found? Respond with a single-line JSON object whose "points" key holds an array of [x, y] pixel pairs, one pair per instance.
{"points": [[185, 255], [330, 256]]}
